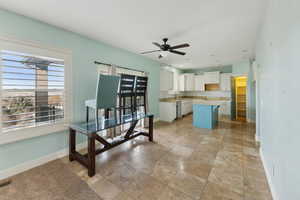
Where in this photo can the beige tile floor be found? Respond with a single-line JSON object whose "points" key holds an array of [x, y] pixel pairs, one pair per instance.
{"points": [[184, 163]]}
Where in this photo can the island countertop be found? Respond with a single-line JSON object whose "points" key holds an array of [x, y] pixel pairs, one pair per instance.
{"points": [[210, 102]]}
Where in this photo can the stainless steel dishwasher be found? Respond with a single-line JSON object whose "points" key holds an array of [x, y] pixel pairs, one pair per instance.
{"points": [[178, 110]]}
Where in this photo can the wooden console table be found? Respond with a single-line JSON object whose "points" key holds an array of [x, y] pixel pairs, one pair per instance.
{"points": [[91, 130]]}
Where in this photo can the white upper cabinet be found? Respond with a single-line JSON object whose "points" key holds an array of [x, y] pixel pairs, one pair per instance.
{"points": [[181, 83], [225, 81], [199, 83], [166, 80], [212, 77], [187, 82], [190, 82]]}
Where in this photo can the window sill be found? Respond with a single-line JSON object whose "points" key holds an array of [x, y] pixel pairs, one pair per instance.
{"points": [[27, 133]]}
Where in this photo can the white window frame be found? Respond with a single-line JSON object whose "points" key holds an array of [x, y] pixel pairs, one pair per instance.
{"points": [[8, 43]]}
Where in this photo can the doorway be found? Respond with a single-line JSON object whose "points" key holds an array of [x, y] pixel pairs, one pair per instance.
{"points": [[239, 98]]}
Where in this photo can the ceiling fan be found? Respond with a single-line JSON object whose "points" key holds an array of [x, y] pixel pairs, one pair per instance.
{"points": [[167, 48]]}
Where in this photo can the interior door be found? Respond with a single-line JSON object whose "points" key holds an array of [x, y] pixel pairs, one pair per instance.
{"points": [[233, 99]]}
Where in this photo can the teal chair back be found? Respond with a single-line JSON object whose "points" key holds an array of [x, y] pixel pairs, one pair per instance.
{"points": [[107, 91]]}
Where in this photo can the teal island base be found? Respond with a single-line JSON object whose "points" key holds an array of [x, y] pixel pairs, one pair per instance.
{"points": [[205, 116]]}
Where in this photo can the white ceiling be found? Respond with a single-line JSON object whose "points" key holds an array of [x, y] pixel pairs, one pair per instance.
{"points": [[220, 32]]}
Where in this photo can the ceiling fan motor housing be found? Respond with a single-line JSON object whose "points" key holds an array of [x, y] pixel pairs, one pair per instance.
{"points": [[166, 47]]}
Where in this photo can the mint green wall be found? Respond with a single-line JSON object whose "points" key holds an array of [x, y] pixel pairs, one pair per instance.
{"points": [[223, 69], [85, 51], [241, 68], [277, 55]]}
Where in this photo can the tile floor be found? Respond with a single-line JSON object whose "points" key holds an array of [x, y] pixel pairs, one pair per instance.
{"points": [[184, 163]]}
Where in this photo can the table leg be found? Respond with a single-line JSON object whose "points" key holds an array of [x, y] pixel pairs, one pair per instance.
{"points": [[87, 114], [91, 156], [151, 128], [72, 144]]}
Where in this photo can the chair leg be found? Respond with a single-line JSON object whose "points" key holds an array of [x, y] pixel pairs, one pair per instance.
{"points": [[132, 105], [124, 103], [115, 114], [96, 117], [145, 103]]}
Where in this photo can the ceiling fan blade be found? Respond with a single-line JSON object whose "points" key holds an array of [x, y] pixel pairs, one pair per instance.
{"points": [[145, 52], [178, 52], [156, 44], [180, 46]]}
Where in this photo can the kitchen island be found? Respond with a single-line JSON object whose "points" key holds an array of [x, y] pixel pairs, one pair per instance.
{"points": [[169, 106], [205, 115]]}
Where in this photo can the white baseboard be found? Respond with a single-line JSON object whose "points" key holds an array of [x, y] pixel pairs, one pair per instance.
{"points": [[268, 174], [37, 162], [251, 121], [257, 139], [156, 120]]}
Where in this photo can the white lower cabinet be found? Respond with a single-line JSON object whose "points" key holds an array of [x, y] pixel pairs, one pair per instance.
{"points": [[167, 111], [186, 107]]}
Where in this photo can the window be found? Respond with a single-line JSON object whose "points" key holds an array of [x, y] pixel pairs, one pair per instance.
{"points": [[135, 73], [33, 90]]}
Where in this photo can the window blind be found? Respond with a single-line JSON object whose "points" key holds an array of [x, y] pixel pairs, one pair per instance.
{"points": [[32, 90]]}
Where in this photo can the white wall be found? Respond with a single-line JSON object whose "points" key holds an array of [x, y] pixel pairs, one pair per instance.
{"points": [[278, 56]]}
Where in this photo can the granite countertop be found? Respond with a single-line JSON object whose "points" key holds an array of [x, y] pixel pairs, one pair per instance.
{"points": [[200, 99], [210, 102]]}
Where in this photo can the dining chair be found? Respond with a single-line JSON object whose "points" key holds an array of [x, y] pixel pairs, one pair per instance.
{"points": [[106, 95], [126, 92], [141, 92]]}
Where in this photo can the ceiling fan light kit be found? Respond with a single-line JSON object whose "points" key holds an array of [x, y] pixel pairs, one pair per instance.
{"points": [[165, 48]]}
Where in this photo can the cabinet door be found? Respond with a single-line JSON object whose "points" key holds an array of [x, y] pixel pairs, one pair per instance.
{"points": [[199, 83], [167, 111], [212, 77], [183, 108], [226, 82], [182, 82], [190, 82], [170, 80], [186, 107], [190, 107]]}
